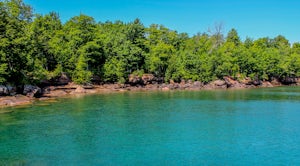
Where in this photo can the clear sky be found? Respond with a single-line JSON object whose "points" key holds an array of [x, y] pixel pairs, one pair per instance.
{"points": [[252, 18]]}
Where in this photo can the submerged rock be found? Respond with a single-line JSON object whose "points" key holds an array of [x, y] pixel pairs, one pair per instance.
{"points": [[14, 100], [55, 93]]}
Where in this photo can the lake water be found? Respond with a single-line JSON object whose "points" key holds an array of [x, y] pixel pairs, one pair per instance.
{"points": [[225, 127]]}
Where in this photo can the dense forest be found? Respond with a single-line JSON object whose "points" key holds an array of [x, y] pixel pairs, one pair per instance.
{"points": [[36, 47]]}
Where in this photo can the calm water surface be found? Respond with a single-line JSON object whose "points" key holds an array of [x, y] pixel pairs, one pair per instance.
{"points": [[233, 127]]}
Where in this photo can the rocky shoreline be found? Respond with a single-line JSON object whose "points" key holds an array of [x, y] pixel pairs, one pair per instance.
{"points": [[11, 97]]}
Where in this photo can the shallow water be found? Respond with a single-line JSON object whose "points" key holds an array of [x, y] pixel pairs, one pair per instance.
{"points": [[226, 127]]}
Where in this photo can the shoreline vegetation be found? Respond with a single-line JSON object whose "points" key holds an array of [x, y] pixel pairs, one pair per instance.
{"points": [[41, 57]]}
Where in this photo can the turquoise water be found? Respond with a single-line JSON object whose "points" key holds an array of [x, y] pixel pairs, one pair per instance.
{"points": [[233, 127]]}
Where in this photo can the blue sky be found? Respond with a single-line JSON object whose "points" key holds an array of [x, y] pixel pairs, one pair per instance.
{"points": [[252, 18]]}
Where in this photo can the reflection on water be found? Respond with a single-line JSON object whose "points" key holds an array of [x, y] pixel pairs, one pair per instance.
{"points": [[231, 127]]}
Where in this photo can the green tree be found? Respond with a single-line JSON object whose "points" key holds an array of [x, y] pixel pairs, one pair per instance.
{"points": [[82, 75], [162, 44], [42, 30], [79, 30], [14, 43], [31, 51], [94, 53], [114, 69], [157, 60], [3, 43], [290, 65], [74, 44], [124, 42], [233, 37]]}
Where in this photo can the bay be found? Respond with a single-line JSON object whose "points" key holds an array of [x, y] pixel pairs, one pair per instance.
{"points": [[219, 127]]}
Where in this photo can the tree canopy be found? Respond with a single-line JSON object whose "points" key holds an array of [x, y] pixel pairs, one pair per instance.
{"points": [[36, 47]]}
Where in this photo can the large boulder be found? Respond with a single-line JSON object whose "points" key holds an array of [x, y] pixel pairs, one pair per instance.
{"points": [[186, 84], [7, 90], [246, 81], [257, 82], [165, 89], [32, 91], [266, 84], [63, 79], [141, 80], [3, 90], [232, 83], [197, 85], [80, 89], [134, 79], [289, 80], [12, 90], [298, 81], [217, 84], [172, 82], [96, 79], [276, 82], [148, 78]]}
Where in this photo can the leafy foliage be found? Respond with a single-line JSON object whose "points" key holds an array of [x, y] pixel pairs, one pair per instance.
{"points": [[35, 47]]}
